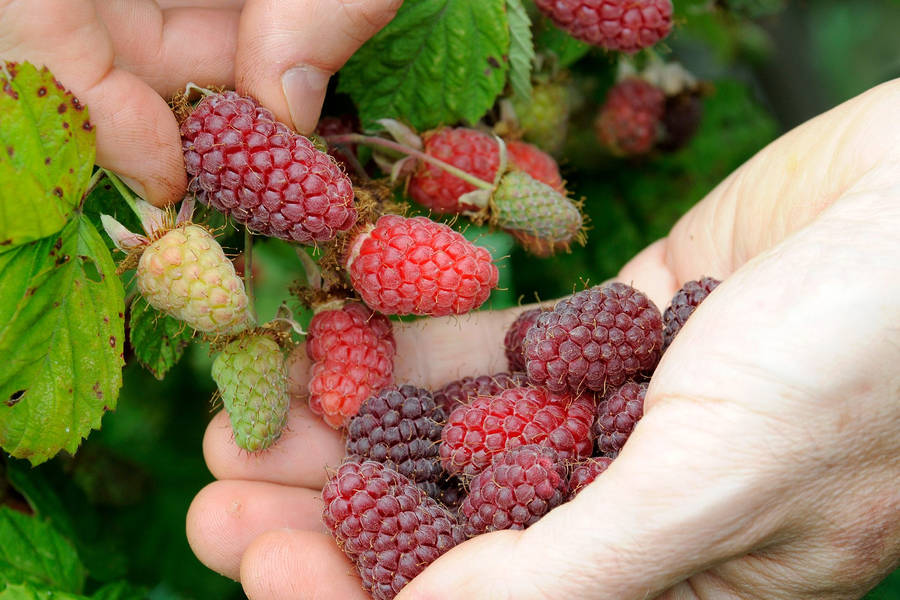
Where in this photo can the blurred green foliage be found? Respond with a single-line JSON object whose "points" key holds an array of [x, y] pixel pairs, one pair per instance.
{"points": [[121, 501]]}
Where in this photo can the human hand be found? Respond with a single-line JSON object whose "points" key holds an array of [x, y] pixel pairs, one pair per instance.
{"points": [[767, 460], [121, 58]]}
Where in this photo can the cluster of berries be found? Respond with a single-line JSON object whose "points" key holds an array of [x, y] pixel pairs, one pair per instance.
{"points": [[426, 470]]}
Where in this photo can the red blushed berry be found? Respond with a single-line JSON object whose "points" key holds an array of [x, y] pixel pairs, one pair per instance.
{"points": [[585, 472], [514, 342], [261, 173], [623, 25], [414, 266], [489, 425], [352, 352], [478, 154], [630, 121], [518, 488], [462, 391], [617, 415], [683, 305], [388, 527], [596, 339]]}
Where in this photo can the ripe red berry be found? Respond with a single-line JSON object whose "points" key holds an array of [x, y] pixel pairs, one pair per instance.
{"points": [[598, 338], [518, 488], [491, 424], [337, 126], [476, 153], [389, 528], [585, 472], [462, 391], [414, 266], [683, 305], [624, 25], [535, 162], [515, 338], [630, 122], [400, 428], [247, 165], [617, 415], [352, 350]]}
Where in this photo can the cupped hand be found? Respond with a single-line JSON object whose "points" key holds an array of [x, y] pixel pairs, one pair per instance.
{"points": [[121, 58], [767, 462]]}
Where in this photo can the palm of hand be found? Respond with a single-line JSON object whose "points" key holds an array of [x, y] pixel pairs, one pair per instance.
{"points": [[765, 464]]}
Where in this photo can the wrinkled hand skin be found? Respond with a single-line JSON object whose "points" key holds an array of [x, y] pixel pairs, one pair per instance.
{"points": [[767, 463], [122, 58]]}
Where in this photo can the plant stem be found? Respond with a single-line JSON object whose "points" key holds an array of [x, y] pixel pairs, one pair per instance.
{"points": [[95, 179], [248, 270], [369, 140], [124, 192]]}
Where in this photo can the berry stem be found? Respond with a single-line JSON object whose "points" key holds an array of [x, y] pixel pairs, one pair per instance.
{"points": [[369, 140], [312, 270], [124, 192], [248, 270]]}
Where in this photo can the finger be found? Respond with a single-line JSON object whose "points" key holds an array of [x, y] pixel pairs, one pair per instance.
{"points": [[137, 136], [783, 188], [649, 273], [288, 49], [226, 516], [294, 565], [787, 184], [169, 48], [299, 457]]}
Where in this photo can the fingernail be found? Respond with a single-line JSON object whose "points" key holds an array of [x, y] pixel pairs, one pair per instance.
{"points": [[135, 186], [304, 88]]}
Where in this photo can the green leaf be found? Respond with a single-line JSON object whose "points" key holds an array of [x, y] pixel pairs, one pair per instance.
{"points": [[34, 552], [61, 336], [46, 154], [158, 340], [105, 199], [27, 592], [53, 496], [436, 63], [521, 49], [120, 590]]}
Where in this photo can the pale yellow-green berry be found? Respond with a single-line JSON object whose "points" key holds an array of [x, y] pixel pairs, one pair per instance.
{"points": [[186, 274], [251, 376]]}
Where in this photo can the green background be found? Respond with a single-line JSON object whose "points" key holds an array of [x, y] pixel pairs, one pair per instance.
{"points": [[126, 493]]}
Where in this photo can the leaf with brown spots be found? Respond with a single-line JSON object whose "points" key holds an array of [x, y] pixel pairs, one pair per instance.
{"points": [[61, 308], [48, 157], [158, 340]]}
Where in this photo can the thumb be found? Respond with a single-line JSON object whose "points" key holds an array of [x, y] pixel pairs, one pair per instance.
{"points": [[288, 50]]}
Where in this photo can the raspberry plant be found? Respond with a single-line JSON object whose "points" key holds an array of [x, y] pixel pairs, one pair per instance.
{"points": [[426, 186]]}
